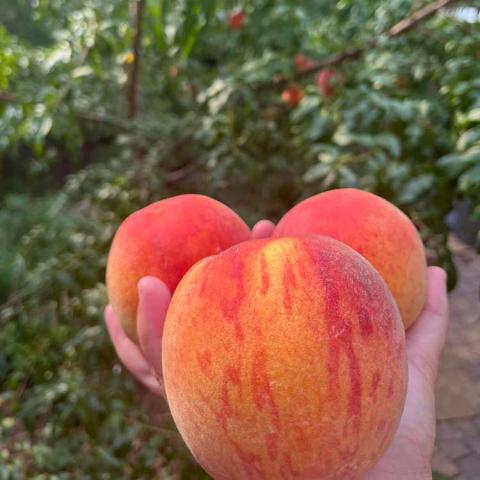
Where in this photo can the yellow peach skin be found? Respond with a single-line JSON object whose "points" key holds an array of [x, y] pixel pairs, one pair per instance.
{"points": [[376, 229], [164, 240], [285, 359]]}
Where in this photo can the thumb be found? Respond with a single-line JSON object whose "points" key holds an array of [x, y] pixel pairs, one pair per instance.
{"points": [[154, 298], [426, 338]]}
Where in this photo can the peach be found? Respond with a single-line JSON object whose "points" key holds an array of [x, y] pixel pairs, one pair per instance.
{"points": [[164, 240], [327, 81], [285, 358], [236, 20], [376, 229], [292, 95]]}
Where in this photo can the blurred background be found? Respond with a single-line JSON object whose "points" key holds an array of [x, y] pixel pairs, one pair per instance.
{"points": [[107, 106]]}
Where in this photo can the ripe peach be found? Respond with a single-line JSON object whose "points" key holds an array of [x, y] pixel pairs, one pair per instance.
{"points": [[292, 95], [326, 80], [236, 20], [303, 63], [164, 240], [285, 358], [374, 228]]}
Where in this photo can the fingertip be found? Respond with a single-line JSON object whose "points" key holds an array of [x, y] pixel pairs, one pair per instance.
{"points": [[426, 337], [108, 312], [155, 385], [152, 285], [264, 225], [437, 275], [436, 301], [110, 319], [154, 298], [263, 229]]}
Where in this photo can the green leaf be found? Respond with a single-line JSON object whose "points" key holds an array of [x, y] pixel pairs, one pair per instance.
{"points": [[61, 54], [347, 177], [316, 129], [45, 126], [157, 12], [415, 188], [83, 71], [468, 139], [387, 141], [470, 179], [466, 119], [192, 26], [310, 105], [316, 172], [455, 163], [108, 457]]}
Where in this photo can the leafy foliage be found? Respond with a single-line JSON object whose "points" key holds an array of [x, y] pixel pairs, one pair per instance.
{"points": [[403, 122], [67, 407]]}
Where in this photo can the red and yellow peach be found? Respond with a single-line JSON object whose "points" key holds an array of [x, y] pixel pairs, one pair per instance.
{"points": [[285, 358], [164, 240], [376, 229]]}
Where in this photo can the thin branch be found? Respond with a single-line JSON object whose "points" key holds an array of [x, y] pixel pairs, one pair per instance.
{"points": [[176, 175], [334, 59], [419, 16], [398, 29], [132, 95]]}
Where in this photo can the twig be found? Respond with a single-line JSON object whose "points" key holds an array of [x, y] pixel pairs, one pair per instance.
{"points": [[334, 59], [398, 29], [132, 95], [179, 174], [418, 16]]}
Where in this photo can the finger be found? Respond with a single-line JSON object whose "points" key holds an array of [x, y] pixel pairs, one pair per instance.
{"points": [[129, 354], [154, 298], [263, 229], [426, 338]]}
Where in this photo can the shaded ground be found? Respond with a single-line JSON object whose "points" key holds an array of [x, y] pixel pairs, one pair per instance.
{"points": [[457, 452]]}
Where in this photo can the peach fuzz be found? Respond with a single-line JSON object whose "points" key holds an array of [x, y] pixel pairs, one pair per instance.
{"points": [[285, 359], [164, 240], [376, 229]]}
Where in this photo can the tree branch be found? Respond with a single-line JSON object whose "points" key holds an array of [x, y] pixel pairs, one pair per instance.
{"points": [[418, 16], [398, 29], [132, 95]]}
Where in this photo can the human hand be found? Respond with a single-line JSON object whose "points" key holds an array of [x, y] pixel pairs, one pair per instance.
{"points": [[409, 455], [145, 362]]}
